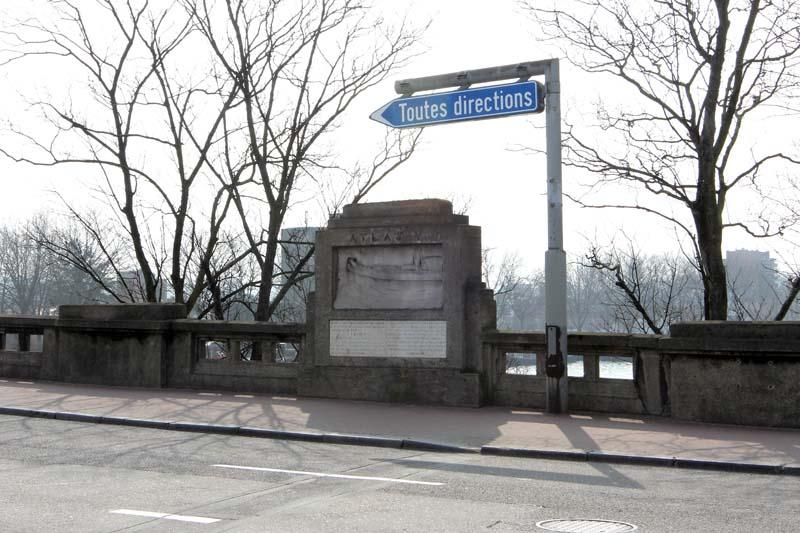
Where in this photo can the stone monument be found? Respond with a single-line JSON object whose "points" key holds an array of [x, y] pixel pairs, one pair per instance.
{"points": [[399, 306]]}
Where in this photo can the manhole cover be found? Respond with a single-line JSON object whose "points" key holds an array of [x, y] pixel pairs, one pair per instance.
{"points": [[586, 526]]}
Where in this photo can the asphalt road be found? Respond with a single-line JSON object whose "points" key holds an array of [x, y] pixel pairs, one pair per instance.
{"points": [[59, 476]]}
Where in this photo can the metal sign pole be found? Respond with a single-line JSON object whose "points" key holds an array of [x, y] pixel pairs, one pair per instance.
{"points": [[555, 259]]}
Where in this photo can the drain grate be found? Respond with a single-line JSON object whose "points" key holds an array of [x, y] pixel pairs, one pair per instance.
{"points": [[586, 526]]}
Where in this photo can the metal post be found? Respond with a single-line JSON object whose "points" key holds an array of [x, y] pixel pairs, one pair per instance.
{"points": [[555, 260]]}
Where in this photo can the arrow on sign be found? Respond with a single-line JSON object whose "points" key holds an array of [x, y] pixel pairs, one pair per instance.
{"points": [[463, 104]]}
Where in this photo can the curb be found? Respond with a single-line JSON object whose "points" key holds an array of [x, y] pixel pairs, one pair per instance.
{"points": [[78, 417], [135, 422], [202, 427], [793, 470], [561, 455], [411, 444], [362, 440], [425, 446], [21, 411], [622, 459], [265, 433], [727, 466], [643, 460]]}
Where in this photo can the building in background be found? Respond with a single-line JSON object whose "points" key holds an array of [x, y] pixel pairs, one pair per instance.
{"points": [[753, 284], [751, 262], [295, 244], [751, 269]]}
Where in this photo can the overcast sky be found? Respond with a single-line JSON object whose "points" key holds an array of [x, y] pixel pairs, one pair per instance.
{"points": [[471, 162]]}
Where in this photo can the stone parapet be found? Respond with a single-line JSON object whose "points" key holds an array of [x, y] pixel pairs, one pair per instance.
{"points": [[722, 372], [122, 312]]}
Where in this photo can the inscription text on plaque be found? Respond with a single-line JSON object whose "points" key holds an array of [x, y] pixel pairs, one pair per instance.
{"points": [[388, 338]]}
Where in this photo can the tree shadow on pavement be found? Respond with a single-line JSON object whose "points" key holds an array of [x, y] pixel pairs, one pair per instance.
{"points": [[609, 476]]}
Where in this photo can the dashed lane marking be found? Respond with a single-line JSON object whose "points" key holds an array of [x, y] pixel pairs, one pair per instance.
{"points": [[167, 516], [338, 476]]}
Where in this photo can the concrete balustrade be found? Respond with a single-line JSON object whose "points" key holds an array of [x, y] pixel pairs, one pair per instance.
{"points": [[150, 346], [255, 356], [24, 346], [730, 372]]}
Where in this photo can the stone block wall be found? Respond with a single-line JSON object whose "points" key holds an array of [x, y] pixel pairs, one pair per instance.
{"points": [[120, 344], [399, 306], [735, 372]]}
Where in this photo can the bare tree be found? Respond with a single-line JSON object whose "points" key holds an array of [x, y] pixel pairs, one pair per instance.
{"points": [[645, 294], [353, 185], [502, 276], [94, 247], [232, 275], [701, 70], [526, 303], [585, 297], [297, 66], [149, 132], [25, 274], [34, 281], [788, 196], [177, 147], [792, 292]]}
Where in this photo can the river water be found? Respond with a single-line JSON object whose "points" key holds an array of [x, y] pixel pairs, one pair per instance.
{"points": [[611, 367]]}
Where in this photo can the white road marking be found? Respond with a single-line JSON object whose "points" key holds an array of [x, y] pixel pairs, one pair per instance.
{"points": [[338, 476], [167, 516]]}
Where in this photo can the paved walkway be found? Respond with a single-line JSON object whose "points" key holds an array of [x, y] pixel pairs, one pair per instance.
{"points": [[505, 430]]}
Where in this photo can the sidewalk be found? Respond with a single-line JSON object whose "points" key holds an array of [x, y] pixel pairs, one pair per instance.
{"points": [[491, 430]]}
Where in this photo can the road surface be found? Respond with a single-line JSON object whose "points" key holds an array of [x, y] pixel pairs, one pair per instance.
{"points": [[77, 477]]}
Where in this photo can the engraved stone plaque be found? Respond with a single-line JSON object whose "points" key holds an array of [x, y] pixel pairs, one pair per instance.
{"points": [[388, 338], [389, 277]]}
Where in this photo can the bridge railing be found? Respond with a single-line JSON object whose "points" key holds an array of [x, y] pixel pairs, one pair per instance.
{"points": [[250, 356], [241, 343], [606, 372], [253, 356], [22, 343], [730, 372]]}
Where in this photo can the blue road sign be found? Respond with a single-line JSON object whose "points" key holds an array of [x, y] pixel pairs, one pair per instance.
{"points": [[463, 104]]}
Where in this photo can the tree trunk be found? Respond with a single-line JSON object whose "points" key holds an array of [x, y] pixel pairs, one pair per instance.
{"points": [[716, 297], [263, 313], [267, 271], [708, 222]]}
